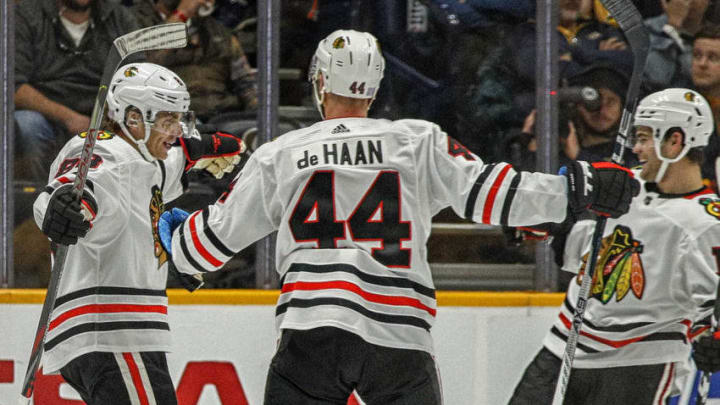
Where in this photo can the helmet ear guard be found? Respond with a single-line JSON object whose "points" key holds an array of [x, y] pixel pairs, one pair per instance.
{"points": [[675, 109]]}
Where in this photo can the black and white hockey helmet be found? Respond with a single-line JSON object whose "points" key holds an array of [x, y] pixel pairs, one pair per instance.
{"points": [[675, 108]]}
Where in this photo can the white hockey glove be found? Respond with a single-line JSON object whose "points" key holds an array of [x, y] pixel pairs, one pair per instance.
{"points": [[169, 220], [214, 151]]}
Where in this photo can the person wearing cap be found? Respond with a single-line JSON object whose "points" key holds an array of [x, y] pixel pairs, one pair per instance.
{"points": [[597, 130]]}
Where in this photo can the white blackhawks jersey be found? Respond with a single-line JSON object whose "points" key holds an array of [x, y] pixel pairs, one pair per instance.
{"points": [[112, 296], [352, 200], [654, 285]]}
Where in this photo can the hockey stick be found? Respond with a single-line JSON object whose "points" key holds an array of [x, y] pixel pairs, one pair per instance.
{"points": [[631, 22], [163, 36]]}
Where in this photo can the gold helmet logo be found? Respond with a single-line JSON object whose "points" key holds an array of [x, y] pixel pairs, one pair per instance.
{"points": [[131, 71], [690, 96], [339, 43]]}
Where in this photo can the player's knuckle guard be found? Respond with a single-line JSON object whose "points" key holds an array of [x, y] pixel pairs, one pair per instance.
{"points": [[608, 188], [64, 222], [211, 146]]}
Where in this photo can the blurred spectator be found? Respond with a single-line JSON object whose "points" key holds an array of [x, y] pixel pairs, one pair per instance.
{"points": [[585, 133], [60, 46], [597, 130], [671, 33], [213, 65], [505, 90], [706, 78]]}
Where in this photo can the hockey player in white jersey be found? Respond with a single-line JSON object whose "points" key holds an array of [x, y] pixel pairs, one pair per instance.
{"points": [[108, 332], [656, 274], [352, 200]]}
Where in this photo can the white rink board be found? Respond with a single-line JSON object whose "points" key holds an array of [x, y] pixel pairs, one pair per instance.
{"points": [[481, 351]]}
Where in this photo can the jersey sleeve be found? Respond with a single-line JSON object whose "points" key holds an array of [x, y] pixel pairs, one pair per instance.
{"points": [[246, 212], [577, 244], [492, 193], [698, 272], [106, 181]]}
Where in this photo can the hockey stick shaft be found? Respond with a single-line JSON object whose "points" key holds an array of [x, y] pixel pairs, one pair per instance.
{"points": [[630, 21], [156, 37]]}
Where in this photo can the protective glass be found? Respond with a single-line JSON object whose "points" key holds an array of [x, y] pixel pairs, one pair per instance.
{"points": [[174, 123]]}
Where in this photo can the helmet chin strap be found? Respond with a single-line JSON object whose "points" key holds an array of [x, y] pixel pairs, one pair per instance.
{"points": [[661, 172], [142, 147]]}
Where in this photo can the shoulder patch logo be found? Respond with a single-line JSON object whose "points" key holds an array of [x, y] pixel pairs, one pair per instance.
{"points": [[689, 96], [456, 149], [619, 267], [340, 129], [102, 135], [712, 206], [157, 206]]}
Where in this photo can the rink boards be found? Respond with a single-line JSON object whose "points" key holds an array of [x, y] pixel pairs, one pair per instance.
{"points": [[223, 341]]}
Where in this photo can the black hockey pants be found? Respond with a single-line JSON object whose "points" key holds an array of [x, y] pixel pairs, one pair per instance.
{"points": [[121, 378], [323, 366], [636, 385]]}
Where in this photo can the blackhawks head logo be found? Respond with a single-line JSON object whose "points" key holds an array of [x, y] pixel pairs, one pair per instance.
{"points": [[619, 267], [339, 43], [131, 71], [156, 208]]}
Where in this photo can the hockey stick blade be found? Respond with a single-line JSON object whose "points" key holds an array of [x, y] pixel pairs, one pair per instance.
{"points": [[630, 21], [164, 36]]}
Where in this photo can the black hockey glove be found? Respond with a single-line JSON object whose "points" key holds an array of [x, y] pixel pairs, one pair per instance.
{"points": [[189, 282], [216, 152], [65, 221], [706, 353], [602, 187]]}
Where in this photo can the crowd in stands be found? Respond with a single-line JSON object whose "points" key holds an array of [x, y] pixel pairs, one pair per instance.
{"points": [[467, 65]]}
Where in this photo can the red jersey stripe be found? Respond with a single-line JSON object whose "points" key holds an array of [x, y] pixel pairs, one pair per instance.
{"points": [[613, 343], [105, 309], [198, 245], [372, 297], [490, 200]]}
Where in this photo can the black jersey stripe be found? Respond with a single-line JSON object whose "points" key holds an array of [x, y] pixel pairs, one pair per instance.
{"points": [[380, 317], [708, 304], [212, 237], [472, 197], [164, 174], [509, 197], [587, 349], [186, 251], [368, 278], [107, 291], [104, 327], [611, 328]]}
